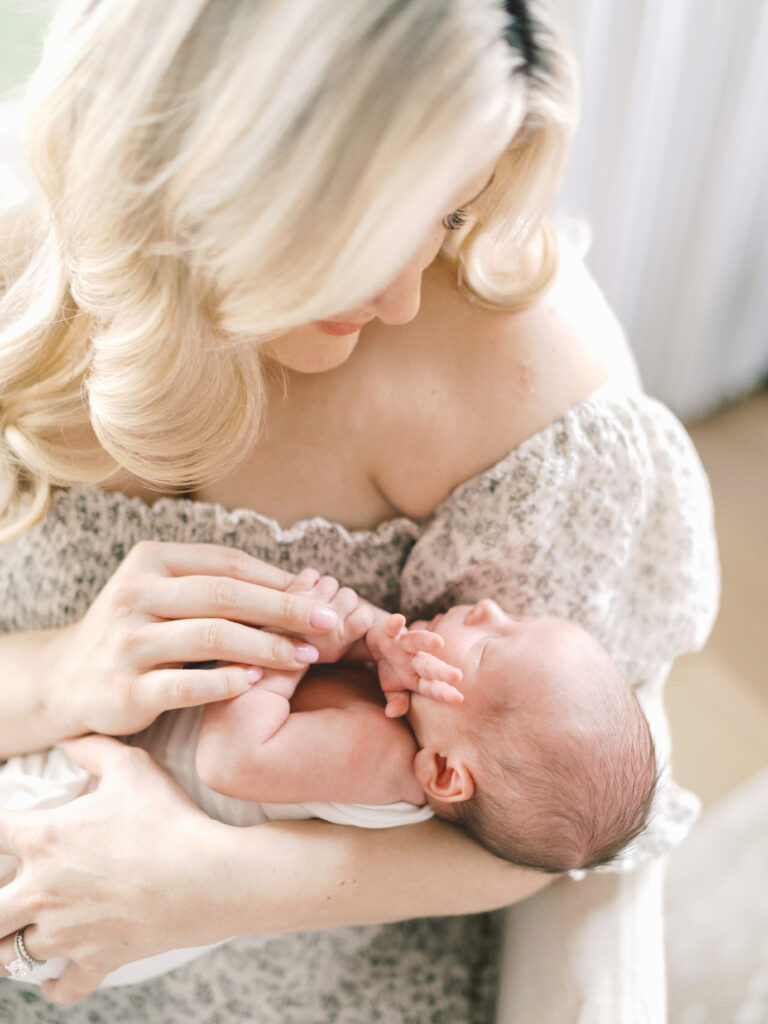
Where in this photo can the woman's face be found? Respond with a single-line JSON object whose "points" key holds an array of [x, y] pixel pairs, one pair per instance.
{"points": [[325, 344]]}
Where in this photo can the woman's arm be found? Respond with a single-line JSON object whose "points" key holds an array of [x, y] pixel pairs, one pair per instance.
{"points": [[206, 881], [34, 714], [337, 876]]}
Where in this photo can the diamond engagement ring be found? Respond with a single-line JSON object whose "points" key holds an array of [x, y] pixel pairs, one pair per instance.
{"points": [[24, 964]]}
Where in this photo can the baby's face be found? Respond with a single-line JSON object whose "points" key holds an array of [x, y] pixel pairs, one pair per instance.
{"points": [[534, 668]]}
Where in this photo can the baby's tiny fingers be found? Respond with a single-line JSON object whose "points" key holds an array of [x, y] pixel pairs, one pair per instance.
{"points": [[326, 589], [359, 621], [441, 691], [303, 582], [392, 625], [345, 602], [416, 640], [430, 667], [398, 704]]}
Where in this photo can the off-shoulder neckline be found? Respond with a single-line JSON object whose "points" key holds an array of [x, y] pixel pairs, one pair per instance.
{"points": [[606, 393]]}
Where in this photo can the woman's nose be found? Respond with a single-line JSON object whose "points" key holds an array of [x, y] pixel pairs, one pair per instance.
{"points": [[399, 302]]}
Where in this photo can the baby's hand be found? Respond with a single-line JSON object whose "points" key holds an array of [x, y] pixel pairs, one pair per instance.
{"points": [[355, 616], [406, 661]]}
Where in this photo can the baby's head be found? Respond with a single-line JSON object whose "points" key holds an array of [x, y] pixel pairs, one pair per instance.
{"points": [[549, 761]]}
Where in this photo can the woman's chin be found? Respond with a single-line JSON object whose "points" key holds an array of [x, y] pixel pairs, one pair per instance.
{"points": [[310, 350]]}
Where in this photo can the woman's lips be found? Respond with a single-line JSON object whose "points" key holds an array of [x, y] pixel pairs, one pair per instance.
{"points": [[332, 327]]}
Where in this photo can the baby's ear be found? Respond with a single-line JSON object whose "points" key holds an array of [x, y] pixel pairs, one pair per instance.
{"points": [[447, 780]]}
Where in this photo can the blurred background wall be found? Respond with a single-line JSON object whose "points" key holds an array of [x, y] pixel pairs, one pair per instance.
{"points": [[670, 167], [21, 29]]}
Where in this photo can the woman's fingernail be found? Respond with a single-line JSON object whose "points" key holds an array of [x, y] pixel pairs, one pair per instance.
{"points": [[253, 675], [323, 618], [306, 654]]}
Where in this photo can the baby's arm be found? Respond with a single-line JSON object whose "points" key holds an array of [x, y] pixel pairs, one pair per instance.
{"points": [[257, 745], [235, 733], [336, 745]]}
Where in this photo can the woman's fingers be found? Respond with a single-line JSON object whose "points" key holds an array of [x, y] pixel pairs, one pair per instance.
{"points": [[222, 598], [97, 753], [7, 834], [75, 983], [166, 689], [189, 640], [15, 913], [209, 560]]}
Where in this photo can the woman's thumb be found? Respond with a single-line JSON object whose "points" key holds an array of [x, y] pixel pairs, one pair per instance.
{"points": [[94, 753]]}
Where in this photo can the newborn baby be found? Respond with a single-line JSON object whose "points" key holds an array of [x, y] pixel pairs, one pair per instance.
{"points": [[543, 753]]}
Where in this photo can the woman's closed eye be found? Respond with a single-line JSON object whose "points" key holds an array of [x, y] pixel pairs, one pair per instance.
{"points": [[456, 219]]}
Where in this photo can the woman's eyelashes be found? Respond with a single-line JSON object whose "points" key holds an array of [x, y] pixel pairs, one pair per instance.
{"points": [[456, 219]]}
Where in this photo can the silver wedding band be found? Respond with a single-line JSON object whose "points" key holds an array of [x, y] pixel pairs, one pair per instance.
{"points": [[24, 964]]}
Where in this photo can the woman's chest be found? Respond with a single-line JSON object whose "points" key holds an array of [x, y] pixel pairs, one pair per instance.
{"points": [[311, 461], [387, 437]]}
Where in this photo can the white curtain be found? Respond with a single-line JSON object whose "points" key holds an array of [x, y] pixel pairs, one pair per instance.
{"points": [[670, 168]]}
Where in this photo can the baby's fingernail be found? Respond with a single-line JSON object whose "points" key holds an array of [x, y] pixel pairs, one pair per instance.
{"points": [[253, 675], [306, 654], [323, 618]]}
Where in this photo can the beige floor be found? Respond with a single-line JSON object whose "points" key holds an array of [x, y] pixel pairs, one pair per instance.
{"points": [[718, 699]]}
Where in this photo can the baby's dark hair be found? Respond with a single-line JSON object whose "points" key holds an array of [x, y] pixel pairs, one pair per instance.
{"points": [[574, 802]]}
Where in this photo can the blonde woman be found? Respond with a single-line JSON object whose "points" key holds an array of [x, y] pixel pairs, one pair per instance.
{"points": [[286, 299]]}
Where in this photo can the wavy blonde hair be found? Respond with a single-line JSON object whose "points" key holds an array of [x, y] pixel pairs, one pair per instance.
{"points": [[215, 173]]}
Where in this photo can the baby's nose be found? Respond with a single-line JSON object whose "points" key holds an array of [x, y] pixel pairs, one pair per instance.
{"points": [[485, 610]]}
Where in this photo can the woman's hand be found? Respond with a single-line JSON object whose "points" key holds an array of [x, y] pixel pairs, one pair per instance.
{"points": [[111, 877], [168, 605]]}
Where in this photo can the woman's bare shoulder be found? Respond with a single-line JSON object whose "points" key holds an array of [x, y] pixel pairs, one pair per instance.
{"points": [[481, 382]]}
